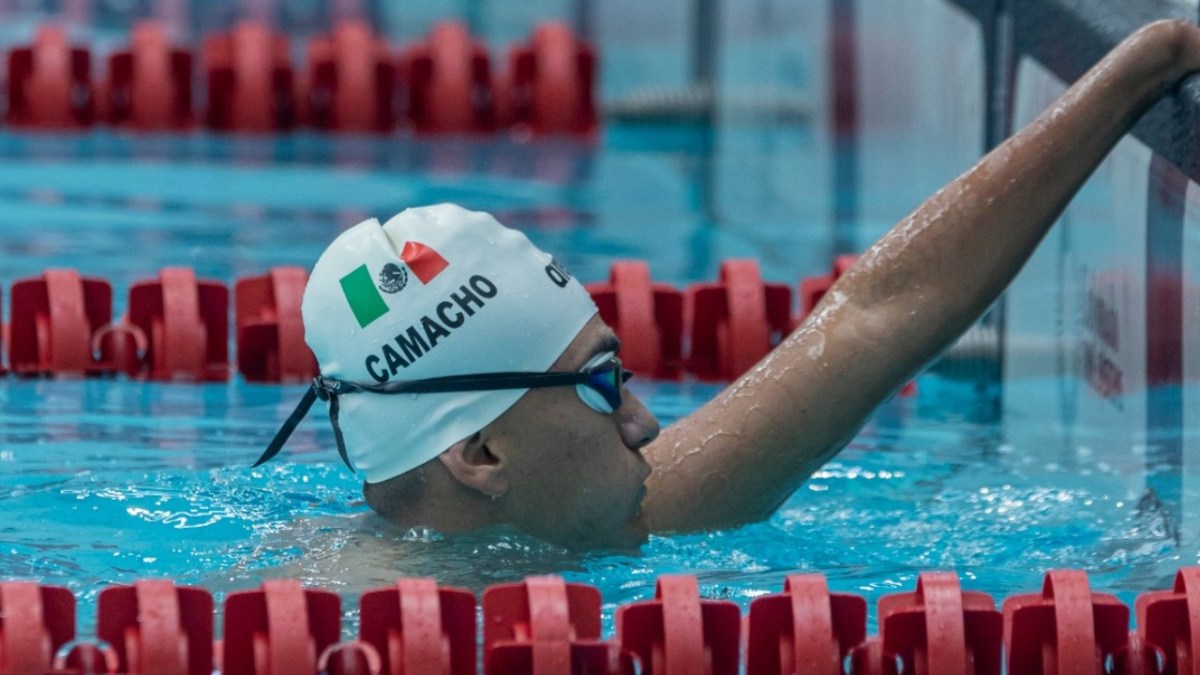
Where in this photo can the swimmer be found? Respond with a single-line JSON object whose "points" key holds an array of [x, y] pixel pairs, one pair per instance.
{"points": [[471, 383]]}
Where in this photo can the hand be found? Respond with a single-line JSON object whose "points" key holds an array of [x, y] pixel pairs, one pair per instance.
{"points": [[1180, 42], [1186, 40]]}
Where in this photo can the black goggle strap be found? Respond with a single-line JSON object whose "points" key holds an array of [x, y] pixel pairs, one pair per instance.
{"points": [[484, 382], [285, 431], [327, 388], [337, 430], [317, 390], [487, 382]]}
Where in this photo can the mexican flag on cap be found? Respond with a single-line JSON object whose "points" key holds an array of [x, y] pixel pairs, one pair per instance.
{"points": [[366, 298]]}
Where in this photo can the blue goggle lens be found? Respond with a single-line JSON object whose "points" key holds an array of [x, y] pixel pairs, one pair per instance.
{"points": [[602, 391]]}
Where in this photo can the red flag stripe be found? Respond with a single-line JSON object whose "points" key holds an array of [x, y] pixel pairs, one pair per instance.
{"points": [[424, 262]]}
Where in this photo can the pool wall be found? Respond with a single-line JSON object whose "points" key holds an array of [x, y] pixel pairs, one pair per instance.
{"points": [[1105, 296], [1109, 305]]}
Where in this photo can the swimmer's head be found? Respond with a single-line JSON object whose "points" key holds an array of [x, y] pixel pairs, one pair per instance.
{"points": [[433, 292], [391, 311]]}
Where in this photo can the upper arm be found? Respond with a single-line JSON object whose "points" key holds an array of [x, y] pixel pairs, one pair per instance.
{"points": [[735, 459], [739, 456]]}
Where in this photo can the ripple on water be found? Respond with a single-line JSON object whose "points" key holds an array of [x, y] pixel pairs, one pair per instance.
{"points": [[924, 486]]}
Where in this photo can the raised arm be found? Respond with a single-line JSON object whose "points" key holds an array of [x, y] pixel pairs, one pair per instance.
{"points": [[909, 296]]}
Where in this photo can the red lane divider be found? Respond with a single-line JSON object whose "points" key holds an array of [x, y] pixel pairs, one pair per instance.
{"points": [[158, 627], [1169, 622], [352, 657], [549, 85], [1138, 658], [870, 659], [35, 621], [448, 82], [545, 626], [53, 320], [941, 630], [646, 316], [419, 628], [351, 81], [1064, 630], [251, 85], [49, 83], [269, 328], [186, 324], [87, 657], [677, 633], [149, 85], [176, 327], [805, 629], [280, 629], [812, 289], [735, 321]]}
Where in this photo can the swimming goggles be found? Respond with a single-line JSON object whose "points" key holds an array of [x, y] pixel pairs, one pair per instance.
{"points": [[598, 385]]}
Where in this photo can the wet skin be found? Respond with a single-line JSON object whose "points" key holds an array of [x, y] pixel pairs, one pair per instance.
{"points": [[550, 466], [908, 298], [575, 475], [559, 470]]}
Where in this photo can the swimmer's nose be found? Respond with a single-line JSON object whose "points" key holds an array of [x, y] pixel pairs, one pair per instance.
{"points": [[637, 424]]}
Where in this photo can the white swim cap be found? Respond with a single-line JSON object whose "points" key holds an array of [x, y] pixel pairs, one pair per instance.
{"points": [[435, 291]]}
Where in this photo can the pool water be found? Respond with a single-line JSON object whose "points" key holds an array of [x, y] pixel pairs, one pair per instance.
{"points": [[110, 480]]}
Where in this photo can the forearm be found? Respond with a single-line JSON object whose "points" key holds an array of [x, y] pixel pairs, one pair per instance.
{"points": [[941, 267], [908, 297]]}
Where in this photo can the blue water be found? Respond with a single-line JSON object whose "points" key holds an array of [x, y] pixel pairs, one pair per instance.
{"points": [[111, 481], [108, 481], [229, 207]]}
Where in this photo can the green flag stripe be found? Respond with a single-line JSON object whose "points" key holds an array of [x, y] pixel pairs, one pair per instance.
{"points": [[364, 299]]}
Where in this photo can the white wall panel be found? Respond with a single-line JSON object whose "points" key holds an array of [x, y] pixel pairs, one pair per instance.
{"points": [[1191, 354], [1076, 315], [921, 84]]}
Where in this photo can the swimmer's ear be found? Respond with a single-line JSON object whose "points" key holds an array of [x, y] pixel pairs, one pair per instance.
{"points": [[473, 464]]}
